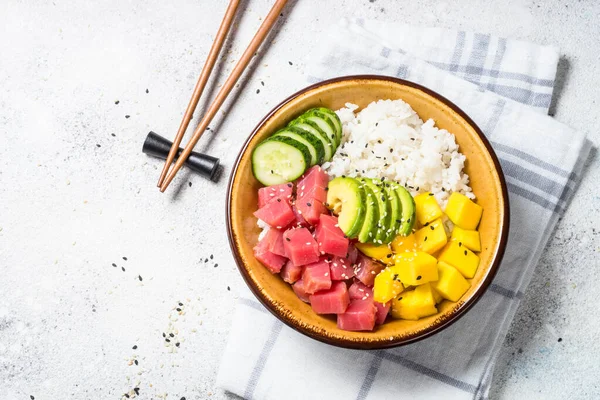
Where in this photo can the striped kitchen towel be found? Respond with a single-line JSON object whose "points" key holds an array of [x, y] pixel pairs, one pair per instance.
{"points": [[505, 86]]}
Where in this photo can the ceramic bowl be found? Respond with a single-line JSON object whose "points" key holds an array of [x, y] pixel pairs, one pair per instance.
{"points": [[482, 167]]}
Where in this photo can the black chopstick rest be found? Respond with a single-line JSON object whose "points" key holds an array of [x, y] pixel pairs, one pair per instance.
{"points": [[157, 146]]}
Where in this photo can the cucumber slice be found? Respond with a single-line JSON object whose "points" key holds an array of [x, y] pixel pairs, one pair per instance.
{"points": [[346, 198], [328, 146], [324, 123], [328, 133], [310, 142], [318, 142], [368, 231], [333, 117], [279, 160], [383, 223], [407, 215]]}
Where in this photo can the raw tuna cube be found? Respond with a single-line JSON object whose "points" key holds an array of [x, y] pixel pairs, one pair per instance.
{"points": [[274, 242], [359, 290], [315, 193], [367, 269], [300, 246], [311, 209], [272, 261], [359, 316], [278, 214], [352, 253], [341, 269], [315, 176], [300, 221], [271, 193], [298, 288], [316, 276], [291, 273], [331, 239], [382, 312], [331, 301], [331, 223]]}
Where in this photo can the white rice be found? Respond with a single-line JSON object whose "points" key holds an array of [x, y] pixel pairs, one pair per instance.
{"points": [[387, 139]]}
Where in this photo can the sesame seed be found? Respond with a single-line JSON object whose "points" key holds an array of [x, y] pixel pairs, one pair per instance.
{"points": [[308, 243], [425, 239], [134, 347], [419, 277], [136, 362], [459, 244], [432, 228], [465, 252]]}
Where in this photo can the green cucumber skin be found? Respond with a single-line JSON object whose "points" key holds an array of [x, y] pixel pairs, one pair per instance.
{"points": [[314, 141], [334, 118], [304, 119], [328, 147], [318, 114]]}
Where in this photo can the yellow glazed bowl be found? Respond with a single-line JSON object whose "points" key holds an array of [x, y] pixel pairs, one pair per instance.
{"points": [[482, 167]]}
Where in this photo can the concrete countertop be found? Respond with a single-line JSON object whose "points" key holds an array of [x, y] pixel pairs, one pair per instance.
{"points": [[81, 83]]}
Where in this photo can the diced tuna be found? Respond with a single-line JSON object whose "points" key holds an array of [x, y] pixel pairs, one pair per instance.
{"points": [[278, 214], [317, 193], [311, 209], [271, 193], [341, 269], [300, 221], [359, 316], [359, 290], [272, 261], [382, 312], [314, 176], [300, 246], [274, 240], [298, 288], [291, 273], [316, 276], [331, 223], [367, 269], [352, 253], [331, 301], [331, 239]]}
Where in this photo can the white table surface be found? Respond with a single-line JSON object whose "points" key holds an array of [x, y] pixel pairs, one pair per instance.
{"points": [[74, 198]]}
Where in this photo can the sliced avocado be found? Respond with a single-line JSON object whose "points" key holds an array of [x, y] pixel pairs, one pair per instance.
{"points": [[383, 223], [395, 211], [368, 232], [407, 216], [347, 199]]}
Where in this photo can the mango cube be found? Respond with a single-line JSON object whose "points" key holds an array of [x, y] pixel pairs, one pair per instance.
{"points": [[451, 285], [387, 285], [461, 258], [403, 244], [380, 252], [463, 212], [427, 208], [415, 304], [432, 237], [436, 296], [416, 268], [468, 238]]}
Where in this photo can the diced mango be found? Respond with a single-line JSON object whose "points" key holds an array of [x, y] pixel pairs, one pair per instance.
{"points": [[461, 258], [468, 238], [387, 285], [416, 268], [432, 237], [380, 252], [403, 244], [463, 212], [415, 304], [436, 296], [451, 285], [427, 208]]}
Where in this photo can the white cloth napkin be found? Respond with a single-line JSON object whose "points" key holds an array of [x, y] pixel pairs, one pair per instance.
{"points": [[506, 87]]}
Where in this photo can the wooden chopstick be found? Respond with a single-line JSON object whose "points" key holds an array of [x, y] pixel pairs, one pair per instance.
{"points": [[226, 89], [201, 84]]}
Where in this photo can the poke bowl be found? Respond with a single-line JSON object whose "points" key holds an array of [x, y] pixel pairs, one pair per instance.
{"points": [[367, 212]]}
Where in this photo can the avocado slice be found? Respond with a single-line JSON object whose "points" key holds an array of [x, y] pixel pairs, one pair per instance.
{"points": [[407, 215], [368, 230], [348, 200], [383, 223], [395, 211]]}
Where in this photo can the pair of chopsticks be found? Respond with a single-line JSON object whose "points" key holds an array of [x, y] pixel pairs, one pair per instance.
{"points": [[167, 175]]}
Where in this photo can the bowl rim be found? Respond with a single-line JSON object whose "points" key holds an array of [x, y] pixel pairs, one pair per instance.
{"points": [[434, 328]]}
